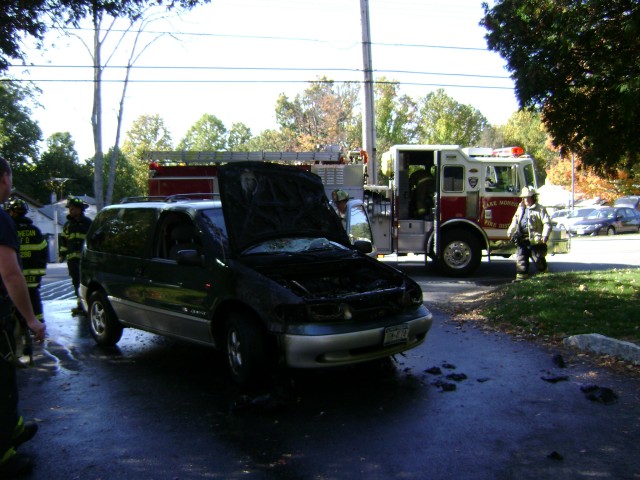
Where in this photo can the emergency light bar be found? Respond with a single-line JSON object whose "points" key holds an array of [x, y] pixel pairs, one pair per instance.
{"points": [[508, 152]]}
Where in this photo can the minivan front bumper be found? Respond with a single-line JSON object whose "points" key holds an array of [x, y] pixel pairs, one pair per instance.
{"points": [[319, 351]]}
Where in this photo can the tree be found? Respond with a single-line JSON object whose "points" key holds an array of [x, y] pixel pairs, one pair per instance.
{"points": [[272, 141], [239, 136], [395, 116], [60, 160], [126, 177], [443, 120], [525, 129], [587, 184], [579, 64], [323, 114], [19, 135], [208, 133], [33, 18], [148, 132]]}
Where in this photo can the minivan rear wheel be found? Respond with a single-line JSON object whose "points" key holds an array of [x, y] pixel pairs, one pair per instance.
{"points": [[105, 328], [245, 349]]}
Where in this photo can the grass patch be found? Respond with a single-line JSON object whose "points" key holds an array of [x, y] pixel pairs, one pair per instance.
{"points": [[563, 304]]}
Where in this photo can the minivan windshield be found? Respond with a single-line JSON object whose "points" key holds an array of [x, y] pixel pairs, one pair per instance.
{"points": [[294, 245]]}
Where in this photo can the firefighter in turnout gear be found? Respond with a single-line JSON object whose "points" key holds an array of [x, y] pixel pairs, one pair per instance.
{"points": [[73, 235], [529, 230], [34, 257]]}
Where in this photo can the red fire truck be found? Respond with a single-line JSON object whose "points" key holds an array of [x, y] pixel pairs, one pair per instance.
{"points": [[451, 203], [447, 202]]}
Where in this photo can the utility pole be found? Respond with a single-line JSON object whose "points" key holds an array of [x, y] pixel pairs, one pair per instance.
{"points": [[368, 116]]}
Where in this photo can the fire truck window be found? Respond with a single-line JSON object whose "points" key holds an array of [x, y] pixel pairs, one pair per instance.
{"points": [[498, 178], [453, 179], [529, 176]]}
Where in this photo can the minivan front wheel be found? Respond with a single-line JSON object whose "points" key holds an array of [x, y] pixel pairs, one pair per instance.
{"points": [[105, 328], [244, 349]]}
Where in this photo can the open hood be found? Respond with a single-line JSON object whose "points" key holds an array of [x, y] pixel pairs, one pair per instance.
{"points": [[262, 201]]}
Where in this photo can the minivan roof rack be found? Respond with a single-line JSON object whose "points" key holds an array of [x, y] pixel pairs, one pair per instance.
{"points": [[172, 198]]}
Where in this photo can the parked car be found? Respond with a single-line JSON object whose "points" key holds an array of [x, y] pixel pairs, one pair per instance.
{"points": [[266, 273], [632, 201], [568, 217], [608, 221]]}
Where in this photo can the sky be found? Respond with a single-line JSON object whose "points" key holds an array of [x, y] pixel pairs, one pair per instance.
{"points": [[233, 58]]}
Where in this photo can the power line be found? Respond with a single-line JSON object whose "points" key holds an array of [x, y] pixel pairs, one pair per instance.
{"points": [[287, 39], [274, 69], [192, 81]]}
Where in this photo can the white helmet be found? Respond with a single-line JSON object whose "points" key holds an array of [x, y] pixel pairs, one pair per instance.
{"points": [[527, 192]]}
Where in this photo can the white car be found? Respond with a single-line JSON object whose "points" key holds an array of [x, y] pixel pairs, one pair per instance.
{"points": [[565, 219]]}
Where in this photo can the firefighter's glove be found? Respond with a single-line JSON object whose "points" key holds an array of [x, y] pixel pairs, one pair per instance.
{"points": [[516, 238]]}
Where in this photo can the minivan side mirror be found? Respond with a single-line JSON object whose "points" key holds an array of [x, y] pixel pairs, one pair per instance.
{"points": [[190, 258], [363, 246]]}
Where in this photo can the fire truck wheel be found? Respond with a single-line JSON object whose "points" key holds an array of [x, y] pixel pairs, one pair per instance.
{"points": [[461, 254]]}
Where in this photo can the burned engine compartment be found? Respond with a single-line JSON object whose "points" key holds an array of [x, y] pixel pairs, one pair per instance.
{"points": [[359, 285]]}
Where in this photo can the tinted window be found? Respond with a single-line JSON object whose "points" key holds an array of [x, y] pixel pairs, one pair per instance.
{"points": [[453, 178], [122, 231], [213, 222]]}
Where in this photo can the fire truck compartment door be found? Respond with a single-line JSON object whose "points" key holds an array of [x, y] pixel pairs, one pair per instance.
{"points": [[411, 235]]}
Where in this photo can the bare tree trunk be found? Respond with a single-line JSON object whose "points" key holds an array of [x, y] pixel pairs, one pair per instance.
{"points": [[96, 115]]}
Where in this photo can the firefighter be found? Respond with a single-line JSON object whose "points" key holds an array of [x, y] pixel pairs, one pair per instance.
{"points": [[34, 256], [529, 230], [340, 199], [14, 294], [73, 235]]}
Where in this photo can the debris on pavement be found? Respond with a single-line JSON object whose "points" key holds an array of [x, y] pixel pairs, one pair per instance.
{"points": [[600, 394]]}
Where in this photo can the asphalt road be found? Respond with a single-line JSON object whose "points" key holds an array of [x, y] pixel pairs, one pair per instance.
{"points": [[498, 408]]}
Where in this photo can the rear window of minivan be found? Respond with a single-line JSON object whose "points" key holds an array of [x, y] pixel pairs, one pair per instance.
{"points": [[122, 231]]}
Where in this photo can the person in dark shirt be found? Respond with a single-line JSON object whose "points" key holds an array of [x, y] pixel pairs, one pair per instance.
{"points": [[34, 257], [14, 294]]}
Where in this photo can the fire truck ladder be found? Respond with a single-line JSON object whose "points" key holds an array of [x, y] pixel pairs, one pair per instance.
{"points": [[211, 157]]}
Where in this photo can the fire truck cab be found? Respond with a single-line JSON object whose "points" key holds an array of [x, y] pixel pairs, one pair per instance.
{"points": [[451, 203]]}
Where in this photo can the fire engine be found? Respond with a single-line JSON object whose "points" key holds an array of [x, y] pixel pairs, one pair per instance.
{"points": [[444, 201], [451, 203]]}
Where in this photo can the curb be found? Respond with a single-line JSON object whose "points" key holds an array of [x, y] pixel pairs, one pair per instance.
{"points": [[600, 344]]}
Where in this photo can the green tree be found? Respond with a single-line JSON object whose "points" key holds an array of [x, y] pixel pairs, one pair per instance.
{"points": [[19, 135], [208, 133], [442, 120], [272, 141], [60, 160], [395, 116], [147, 133], [525, 129], [126, 179], [239, 136], [579, 64]]}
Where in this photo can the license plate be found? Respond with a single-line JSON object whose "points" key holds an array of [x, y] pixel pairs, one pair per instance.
{"points": [[396, 334]]}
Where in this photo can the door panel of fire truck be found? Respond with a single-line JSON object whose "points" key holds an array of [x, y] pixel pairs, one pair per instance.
{"points": [[458, 242], [499, 199]]}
